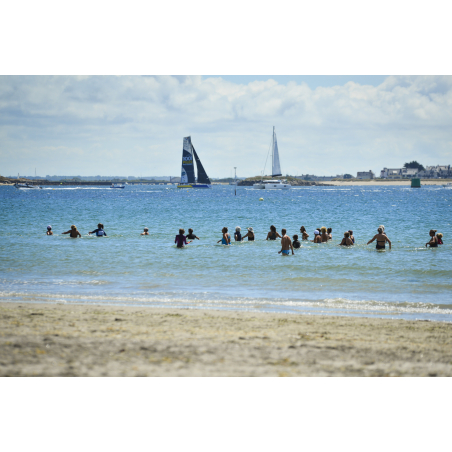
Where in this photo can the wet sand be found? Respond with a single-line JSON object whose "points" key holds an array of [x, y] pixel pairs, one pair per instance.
{"points": [[80, 340]]}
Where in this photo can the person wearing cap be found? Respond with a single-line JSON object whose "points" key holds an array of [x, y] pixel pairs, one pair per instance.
{"points": [[145, 231], [249, 234], [49, 230], [317, 238], [286, 244], [346, 241], [74, 234]]}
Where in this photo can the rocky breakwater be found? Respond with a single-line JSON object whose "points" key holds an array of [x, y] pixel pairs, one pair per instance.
{"points": [[293, 182]]}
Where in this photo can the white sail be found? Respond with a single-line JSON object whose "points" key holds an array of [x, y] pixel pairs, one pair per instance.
{"points": [[276, 167]]}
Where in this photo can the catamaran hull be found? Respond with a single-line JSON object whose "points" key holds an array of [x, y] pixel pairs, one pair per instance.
{"points": [[194, 186], [32, 187]]}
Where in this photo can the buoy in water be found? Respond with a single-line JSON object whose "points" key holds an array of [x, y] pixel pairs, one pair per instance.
{"points": [[261, 199]]}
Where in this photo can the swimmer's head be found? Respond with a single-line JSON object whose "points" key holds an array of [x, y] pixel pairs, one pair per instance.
{"points": [[283, 231], [347, 234], [440, 235], [295, 237], [238, 229], [49, 228], [224, 230], [316, 232], [380, 230], [250, 229], [272, 228], [73, 226], [323, 229], [329, 230], [302, 229], [190, 230], [181, 231], [100, 226], [146, 229], [351, 232], [382, 227], [433, 232]]}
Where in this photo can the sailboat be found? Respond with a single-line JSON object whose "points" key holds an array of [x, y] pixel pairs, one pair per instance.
{"points": [[187, 179], [274, 184]]}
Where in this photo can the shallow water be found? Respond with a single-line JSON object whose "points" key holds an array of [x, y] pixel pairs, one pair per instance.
{"points": [[409, 281]]}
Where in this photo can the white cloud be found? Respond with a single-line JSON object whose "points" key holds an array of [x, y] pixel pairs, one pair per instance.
{"points": [[131, 125]]}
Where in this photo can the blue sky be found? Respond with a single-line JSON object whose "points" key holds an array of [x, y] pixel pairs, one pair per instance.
{"points": [[132, 125]]}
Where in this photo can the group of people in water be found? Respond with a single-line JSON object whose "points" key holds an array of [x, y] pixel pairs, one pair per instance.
{"points": [[321, 235]]}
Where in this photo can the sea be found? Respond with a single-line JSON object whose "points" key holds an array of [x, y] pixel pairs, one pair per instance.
{"points": [[409, 281]]}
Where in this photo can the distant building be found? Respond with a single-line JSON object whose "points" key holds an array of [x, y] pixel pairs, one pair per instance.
{"points": [[397, 173], [435, 172], [365, 174]]}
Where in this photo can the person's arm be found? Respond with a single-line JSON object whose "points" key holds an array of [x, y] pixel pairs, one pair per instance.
{"points": [[67, 232], [268, 235], [277, 235], [80, 235], [342, 242], [93, 232], [291, 247], [389, 241], [197, 237], [245, 236], [370, 241]]}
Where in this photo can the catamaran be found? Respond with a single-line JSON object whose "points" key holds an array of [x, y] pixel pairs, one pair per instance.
{"points": [[274, 184], [187, 179], [27, 185]]}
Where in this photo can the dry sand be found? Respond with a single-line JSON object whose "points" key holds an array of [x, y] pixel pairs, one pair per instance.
{"points": [[81, 340]]}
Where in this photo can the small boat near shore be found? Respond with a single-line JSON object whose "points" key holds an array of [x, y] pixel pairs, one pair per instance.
{"points": [[448, 185], [27, 185], [117, 186]]}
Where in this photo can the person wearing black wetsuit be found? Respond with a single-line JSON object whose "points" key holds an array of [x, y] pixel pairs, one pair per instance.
{"points": [[191, 236], [434, 240]]}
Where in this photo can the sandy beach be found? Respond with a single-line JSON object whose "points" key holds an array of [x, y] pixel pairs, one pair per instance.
{"points": [[92, 340]]}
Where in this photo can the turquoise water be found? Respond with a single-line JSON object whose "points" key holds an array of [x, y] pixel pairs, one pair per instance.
{"points": [[409, 281]]}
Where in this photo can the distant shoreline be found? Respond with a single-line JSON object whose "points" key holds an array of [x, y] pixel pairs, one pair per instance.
{"points": [[342, 183]]}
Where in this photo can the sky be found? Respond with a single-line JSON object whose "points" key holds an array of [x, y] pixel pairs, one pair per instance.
{"points": [[134, 125]]}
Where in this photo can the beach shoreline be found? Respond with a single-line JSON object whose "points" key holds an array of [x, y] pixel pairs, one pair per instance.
{"points": [[100, 340]]}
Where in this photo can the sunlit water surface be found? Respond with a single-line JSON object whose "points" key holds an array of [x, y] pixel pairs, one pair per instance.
{"points": [[125, 268]]}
